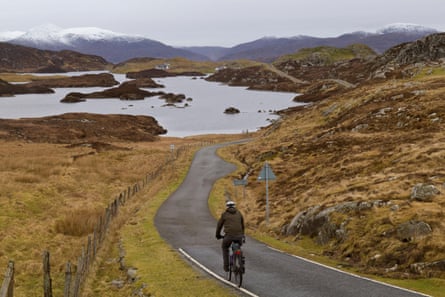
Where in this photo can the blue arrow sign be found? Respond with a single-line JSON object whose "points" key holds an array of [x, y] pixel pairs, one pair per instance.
{"points": [[266, 173], [239, 182]]}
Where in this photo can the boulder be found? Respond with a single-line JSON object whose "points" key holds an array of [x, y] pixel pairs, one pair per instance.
{"points": [[424, 193], [429, 269], [231, 110], [411, 230], [315, 221]]}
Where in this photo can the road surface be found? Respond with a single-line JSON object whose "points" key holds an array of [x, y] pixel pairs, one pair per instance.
{"points": [[185, 222]]}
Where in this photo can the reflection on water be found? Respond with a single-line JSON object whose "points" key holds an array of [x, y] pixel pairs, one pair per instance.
{"points": [[204, 114]]}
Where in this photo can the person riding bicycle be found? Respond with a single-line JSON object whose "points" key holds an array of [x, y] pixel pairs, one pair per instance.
{"points": [[233, 222]]}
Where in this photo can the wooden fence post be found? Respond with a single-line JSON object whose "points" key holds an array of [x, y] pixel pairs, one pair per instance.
{"points": [[47, 287], [7, 289], [76, 288], [89, 254], [66, 292]]}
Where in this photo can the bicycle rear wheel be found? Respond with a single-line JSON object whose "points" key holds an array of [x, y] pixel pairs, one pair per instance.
{"points": [[229, 273], [238, 267]]}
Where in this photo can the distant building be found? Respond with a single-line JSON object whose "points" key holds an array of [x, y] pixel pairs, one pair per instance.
{"points": [[220, 68], [164, 66]]}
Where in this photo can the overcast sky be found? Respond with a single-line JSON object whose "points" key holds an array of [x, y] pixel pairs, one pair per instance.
{"points": [[221, 22]]}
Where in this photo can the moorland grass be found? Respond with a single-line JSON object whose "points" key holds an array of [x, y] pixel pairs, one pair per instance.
{"points": [[49, 198], [178, 65], [15, 77], [303, 246]]}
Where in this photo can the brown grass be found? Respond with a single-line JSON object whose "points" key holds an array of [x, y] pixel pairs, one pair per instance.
{"points": [[78, 222], [178, 65], [50, 199], [14, 77], [320, 160]]}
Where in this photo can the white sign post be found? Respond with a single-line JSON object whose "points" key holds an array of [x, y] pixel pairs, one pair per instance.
{"points": [[266, 174]]}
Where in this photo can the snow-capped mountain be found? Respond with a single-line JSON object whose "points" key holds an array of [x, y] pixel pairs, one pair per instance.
{"points": [[118, 47], [405, 28], [52, 34], [267, 49], [9, 35], [114, 47]]}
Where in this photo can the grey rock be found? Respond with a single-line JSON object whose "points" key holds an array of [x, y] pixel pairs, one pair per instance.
{"points": [[424, 193], [411, 230]]}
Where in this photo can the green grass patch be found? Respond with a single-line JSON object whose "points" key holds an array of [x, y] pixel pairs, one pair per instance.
{"points": [[430, 72], [327, 54]]}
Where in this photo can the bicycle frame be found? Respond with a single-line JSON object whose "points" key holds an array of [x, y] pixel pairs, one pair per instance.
{"points": [[236, 263]]}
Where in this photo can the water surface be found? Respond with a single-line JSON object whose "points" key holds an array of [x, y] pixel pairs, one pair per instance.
{"points": [[204, 113]]}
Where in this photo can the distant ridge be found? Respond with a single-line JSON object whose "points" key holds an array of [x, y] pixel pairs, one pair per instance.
{"points": [[119, 47]]}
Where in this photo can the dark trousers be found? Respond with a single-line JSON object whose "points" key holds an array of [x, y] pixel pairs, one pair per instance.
{"points": [[227, 241]]}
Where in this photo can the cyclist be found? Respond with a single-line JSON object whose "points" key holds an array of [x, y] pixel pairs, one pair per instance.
{"points": [[233, 222]]}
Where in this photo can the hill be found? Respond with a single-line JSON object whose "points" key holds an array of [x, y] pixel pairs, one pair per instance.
{"points": [[16, 58], [360, 169], [118, 47], [268, 49], [112, 46]]}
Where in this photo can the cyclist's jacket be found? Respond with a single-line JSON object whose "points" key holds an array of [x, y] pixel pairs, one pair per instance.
{"points": [[233, 223]]}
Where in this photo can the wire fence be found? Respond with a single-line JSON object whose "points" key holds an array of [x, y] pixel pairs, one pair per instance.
{"points": [[74, 280]]}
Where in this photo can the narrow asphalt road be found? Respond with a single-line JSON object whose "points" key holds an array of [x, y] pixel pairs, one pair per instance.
{"points": [[185, 222]]}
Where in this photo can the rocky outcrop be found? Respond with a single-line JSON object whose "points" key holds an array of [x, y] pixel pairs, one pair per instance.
{"points": [[253, 77], [144, 83], [123, 92], [427, 49], [429, 269], [172, 99], [231, 110], [412, 230], [424, 193], [315, 221], [408, 59]]}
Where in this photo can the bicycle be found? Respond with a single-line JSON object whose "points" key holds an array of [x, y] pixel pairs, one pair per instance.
{"points": [[236, 263]]}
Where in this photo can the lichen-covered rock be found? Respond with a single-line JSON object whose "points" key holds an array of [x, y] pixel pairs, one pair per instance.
{"points": [[315, 221], [411, 230], [424, 193], [429, 269]]}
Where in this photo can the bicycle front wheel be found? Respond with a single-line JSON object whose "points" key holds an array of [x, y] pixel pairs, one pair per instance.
{"points": [[231, 266]]}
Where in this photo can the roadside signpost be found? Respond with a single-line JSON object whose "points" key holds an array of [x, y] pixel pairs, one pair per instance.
{"points": [[266, 174], [241, 182]]}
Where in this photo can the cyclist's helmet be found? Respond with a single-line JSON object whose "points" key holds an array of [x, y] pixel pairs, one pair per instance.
{"points": [[230, 204]]}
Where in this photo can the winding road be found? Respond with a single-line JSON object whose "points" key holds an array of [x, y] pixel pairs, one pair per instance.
{"points": [[185, 222]]}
